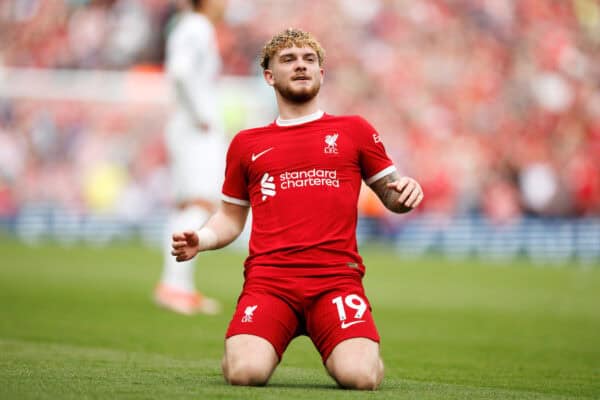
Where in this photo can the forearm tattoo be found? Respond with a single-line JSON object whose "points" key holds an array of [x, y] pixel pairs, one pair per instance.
{"points": [[389, 196]]}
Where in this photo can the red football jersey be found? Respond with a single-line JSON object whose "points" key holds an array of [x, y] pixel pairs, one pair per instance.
{"points": [[302, 181]]}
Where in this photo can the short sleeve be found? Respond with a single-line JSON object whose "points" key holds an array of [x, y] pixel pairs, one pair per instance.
{"points": [[235, 185], [374, 161]]}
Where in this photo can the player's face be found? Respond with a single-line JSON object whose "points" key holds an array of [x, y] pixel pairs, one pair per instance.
{"points": [[295, 74], [216, 8]]}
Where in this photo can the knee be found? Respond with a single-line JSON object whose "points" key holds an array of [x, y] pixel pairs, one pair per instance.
{"points": [[363, 376], [245, 373]]}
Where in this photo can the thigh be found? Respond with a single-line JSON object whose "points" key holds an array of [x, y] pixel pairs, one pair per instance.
{"points": [[339, 315], [355, 351], [250, 358], [265, 316]]}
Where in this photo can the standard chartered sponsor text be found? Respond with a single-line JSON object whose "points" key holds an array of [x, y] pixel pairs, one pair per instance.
{"points": [[310, 177]]}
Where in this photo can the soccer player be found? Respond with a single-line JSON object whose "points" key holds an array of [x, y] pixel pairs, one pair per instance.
{"points": [[303, 276], [196, 145]]}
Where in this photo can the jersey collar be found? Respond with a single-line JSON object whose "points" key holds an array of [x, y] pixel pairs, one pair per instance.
{"points": [[297, 121]]}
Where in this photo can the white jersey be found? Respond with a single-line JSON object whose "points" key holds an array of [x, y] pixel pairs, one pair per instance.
{"points": [[193, 65], [193, 61]]}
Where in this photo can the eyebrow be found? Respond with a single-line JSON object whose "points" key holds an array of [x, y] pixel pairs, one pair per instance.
{"points": [[307, 53]]}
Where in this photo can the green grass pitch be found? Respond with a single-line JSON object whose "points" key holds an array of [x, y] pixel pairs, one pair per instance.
{"points": [[78, 323]]}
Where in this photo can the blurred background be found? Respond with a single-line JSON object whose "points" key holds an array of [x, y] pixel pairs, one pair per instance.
{"points": [[493, 105]]}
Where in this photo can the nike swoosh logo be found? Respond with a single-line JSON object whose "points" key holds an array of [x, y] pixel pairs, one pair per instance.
{"points": [[349, 324], [255, 156]]}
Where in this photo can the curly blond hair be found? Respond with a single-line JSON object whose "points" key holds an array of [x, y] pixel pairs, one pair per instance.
{"points": [[286, 39]]}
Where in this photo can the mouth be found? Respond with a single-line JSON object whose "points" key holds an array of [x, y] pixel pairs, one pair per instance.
{"points": [[301, 78]]}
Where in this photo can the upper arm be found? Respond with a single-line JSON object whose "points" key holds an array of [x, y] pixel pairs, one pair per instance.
{"points": [[373, 159], [235, 184], [234, 213], [235, 200]]}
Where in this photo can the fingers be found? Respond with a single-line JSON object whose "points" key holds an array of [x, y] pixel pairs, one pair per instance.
{"points": [[400, 184], [183, 235], [178, 240], [181, 253], [414, 199], [410, 191], [177, 236], [405, 186], [182, 257], [179, 245]]}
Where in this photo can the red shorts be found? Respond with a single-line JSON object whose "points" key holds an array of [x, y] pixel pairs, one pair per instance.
{"points": [[326, 304]]}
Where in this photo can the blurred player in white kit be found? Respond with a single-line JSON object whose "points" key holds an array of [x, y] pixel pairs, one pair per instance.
{"points": [[196, 145]]}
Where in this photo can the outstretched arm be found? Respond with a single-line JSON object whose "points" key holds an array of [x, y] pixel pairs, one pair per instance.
{"points": [[398, 194], [220, 230]]}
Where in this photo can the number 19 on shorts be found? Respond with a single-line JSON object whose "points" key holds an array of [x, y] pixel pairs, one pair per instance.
{"points": [[353, 302]]}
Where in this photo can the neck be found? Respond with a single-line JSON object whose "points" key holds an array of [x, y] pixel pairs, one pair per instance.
{"points": [[290, 110], [203, 10], [298, 121]]}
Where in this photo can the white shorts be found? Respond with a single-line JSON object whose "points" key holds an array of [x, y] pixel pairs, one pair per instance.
{"points": [[197, 162]]}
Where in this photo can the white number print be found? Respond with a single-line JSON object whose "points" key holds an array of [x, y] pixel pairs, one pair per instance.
{"points": [[353, 302]]}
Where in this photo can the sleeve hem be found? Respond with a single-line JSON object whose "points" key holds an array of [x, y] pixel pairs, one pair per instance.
{"points": [[233, 200], [380, 174]]}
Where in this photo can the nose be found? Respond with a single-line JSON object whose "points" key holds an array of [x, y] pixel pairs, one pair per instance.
{"points": [[300, 65]]}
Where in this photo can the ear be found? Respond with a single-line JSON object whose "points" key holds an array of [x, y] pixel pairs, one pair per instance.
{"points": [[322, 73], [268, 75]]}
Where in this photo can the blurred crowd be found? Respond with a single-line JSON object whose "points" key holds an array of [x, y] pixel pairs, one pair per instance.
{"points": [[494, 105]]}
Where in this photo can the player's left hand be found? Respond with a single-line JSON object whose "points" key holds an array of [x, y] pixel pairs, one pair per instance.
{"points": [[411, 193]]}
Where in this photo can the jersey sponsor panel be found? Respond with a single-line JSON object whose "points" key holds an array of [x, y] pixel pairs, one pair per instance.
{"points": [[303, 182], [311, 177]]}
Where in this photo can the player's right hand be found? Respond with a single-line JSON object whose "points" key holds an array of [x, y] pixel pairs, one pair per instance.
{"points": [[185, 245]]}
